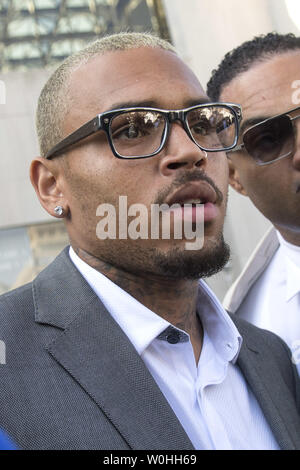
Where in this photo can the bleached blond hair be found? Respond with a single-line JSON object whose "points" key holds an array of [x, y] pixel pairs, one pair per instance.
{"points": [[53, 100]]}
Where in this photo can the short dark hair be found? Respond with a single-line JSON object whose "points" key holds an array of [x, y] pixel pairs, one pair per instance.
{"points": [[240, 60]]}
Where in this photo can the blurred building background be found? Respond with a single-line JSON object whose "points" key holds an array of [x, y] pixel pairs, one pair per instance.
{"points": [[35, 35]]}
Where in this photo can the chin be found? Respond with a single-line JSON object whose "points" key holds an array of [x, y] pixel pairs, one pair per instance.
{"points": [[179, 263]]}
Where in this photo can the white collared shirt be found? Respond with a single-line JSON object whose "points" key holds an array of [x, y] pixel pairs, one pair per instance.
{"points": [[211, 399], [273, 302]]}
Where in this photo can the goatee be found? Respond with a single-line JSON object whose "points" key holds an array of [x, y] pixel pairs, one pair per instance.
{"points": [[178, 264]]}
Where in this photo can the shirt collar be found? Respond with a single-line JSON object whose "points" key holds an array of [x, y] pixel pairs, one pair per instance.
{"points": [[291, 255], [292, 279], [217, 324], [142, 325]]}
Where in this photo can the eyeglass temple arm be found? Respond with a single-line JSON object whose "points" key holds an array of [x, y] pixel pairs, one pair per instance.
{"points": [[84, 131], [236, 148]]}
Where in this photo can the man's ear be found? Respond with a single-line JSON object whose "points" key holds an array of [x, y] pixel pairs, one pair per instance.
{"points": [[44, 176], [234, 179]]}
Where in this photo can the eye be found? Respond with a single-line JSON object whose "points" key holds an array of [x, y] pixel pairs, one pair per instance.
{"points": [[266, 142], [129, 131], [132, 132], [202, 127], [136, 125]]}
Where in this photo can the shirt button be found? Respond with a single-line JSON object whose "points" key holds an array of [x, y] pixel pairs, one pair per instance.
{"points": [[173, 337]]}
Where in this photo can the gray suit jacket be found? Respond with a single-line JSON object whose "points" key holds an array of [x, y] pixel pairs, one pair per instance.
{"points": [[72, 379]]}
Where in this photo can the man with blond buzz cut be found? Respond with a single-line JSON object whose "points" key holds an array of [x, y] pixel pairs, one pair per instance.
{"points": [[263, 76], [119, 344]]}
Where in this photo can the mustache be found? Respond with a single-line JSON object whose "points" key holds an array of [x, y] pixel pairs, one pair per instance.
{"points": [[197, 175]]}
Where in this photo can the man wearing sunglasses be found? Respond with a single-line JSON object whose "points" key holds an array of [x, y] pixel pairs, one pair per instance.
{"points": [[263, 75], [117, 345]]}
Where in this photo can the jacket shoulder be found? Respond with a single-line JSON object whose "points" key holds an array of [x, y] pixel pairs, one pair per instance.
{"points": [[16, 310], [273, 351], [17, 298], [259, 337]]}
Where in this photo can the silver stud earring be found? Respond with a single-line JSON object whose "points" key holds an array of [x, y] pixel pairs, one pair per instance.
{"points": [[205, 153], [59, 210]]}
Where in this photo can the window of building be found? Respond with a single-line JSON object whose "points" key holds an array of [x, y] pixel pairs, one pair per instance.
{"points": [[25, 251], [36, 33]]}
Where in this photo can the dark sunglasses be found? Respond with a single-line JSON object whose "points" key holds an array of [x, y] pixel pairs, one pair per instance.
{"points": [[272, 139], [143, 132]]}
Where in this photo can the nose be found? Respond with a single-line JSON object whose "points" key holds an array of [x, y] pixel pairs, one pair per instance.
{"points": [[181, 152]]}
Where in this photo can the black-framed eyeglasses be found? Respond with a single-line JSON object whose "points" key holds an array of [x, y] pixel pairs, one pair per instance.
{"points": [[272, 139], [143, 132]]}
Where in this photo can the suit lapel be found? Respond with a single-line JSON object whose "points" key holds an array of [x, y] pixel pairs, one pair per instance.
{"points": [[267, 385], [90, 346], [101, 359]]}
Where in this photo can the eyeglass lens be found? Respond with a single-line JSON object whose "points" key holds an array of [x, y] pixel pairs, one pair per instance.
{"points": [[213, 128], [270, 140], [140, 133], [137, 133]]}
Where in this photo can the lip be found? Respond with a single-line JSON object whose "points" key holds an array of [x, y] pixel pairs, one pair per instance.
{"points": [[197, 214], [196, 190]]}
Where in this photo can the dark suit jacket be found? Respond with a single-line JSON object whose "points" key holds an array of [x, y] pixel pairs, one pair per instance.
{"points": [[72, 379]]}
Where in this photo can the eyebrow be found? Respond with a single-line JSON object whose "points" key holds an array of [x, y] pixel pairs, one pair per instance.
{"points": [[154, 104], [256, 120], [252, 121]]}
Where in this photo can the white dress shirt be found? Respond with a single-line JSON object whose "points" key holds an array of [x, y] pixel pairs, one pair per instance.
{"points": [[211, 399], [273, 302]]}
